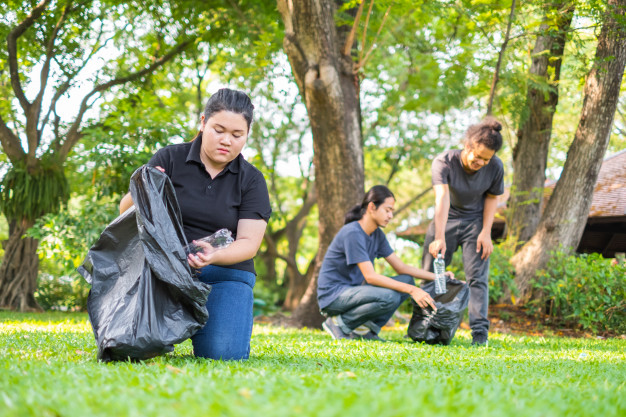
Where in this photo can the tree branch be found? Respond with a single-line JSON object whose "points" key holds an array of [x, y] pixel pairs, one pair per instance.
{"points": [[12, 50], [73, 135], [395, 165], [350, 40], [33, 133], [10, 143], [367, 22], [70, 76], [412, 200], [496, 74], [362, 62]]}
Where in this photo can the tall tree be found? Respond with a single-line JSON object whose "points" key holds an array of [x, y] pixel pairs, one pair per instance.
{"points": [[319, 51], [565, 215], [34, 136], [530, 154], [51, 48]]}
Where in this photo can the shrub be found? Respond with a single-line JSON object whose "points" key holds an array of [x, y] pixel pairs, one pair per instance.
{"points": [[586, 290], [501, 273], [67, 293]]}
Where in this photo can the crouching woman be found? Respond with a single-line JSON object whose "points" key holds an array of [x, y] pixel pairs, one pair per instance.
{"points": [[357, 300]]}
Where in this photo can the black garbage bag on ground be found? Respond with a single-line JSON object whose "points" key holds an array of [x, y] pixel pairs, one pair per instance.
{"points": [[143, 297], [439, 327]]}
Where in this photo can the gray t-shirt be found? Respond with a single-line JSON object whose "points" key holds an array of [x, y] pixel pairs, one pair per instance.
{"points": [[350, 247], [467, 191]]}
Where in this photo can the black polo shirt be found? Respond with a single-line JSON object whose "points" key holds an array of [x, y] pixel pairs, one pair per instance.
{"points": [[209, 204]]}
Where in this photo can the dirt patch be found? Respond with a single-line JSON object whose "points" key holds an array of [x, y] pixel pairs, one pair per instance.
{"points": [[510, 319]]}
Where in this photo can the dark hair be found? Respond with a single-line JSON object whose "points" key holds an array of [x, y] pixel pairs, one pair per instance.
{"points": [[377, 195], [486, 133], [229, 100]]}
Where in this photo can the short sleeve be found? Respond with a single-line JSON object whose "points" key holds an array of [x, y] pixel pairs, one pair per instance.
{"points": [[497, 185], [255, 201], [355, 249], [440, 171], [161, 159], [384, 248]]}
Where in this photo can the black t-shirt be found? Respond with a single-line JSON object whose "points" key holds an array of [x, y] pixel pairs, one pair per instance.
{"points": [[467, 191], [209, 204]]}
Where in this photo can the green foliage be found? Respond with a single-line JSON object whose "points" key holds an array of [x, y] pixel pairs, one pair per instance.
{"points": [[585, 290], [4, 233], [501, 272], [28, 194], [68, 293], [49, 368], [266, 297], [64, 239]]}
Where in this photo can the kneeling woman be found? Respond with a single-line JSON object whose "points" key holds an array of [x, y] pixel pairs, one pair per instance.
{"points": [[357, 300], [216, 188]]}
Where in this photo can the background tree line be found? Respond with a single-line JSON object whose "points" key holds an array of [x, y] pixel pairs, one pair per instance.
{"points": [[348, 94]]}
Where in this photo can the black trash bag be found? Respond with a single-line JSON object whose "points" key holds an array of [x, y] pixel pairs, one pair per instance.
{"points": [[439, 328], [143, 297]]}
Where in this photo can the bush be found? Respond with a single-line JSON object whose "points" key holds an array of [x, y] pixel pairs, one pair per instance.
{"points": [[64, 240], [501, 273], [66, 293], [585, 290]]}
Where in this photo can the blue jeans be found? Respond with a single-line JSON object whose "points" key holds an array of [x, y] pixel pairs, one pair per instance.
{"points": [[226, 335], [366, 304], [464, 233]]}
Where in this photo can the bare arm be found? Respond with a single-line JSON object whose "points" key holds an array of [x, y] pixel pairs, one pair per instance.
{"points": [[484, 242], [402, 268], [126, 203], [249, 237], [421, 297], [442, 207], [127, 200]]}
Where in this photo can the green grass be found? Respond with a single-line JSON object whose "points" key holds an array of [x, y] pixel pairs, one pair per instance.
{"points": [[48, 367]]}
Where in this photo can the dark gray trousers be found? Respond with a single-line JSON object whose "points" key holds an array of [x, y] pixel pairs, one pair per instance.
{"points": [[367, 304], [464, 233]]}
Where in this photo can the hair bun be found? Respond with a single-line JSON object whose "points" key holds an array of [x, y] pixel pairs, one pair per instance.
{"points": [[492, 123]]}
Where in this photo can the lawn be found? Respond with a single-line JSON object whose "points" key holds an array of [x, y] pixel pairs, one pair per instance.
{"points": [[48, 367]]}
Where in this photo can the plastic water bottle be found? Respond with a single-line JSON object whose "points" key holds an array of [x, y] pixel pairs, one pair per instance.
{"points": [[440, 279], [219, 240]]}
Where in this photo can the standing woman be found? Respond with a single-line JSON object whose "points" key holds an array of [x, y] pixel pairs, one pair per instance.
{"points": [[217, 188], [467, 183]]}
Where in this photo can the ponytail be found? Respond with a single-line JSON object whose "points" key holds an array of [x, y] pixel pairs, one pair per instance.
{"points": [[355, 213], [377, 195]]}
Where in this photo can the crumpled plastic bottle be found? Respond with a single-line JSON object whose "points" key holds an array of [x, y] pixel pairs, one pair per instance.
{"points": [[219, 240]]}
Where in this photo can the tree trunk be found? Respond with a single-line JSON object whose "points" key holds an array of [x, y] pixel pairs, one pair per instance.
{"points": [[18, 272], [297, 281], [530, 154], [296, 287], [329, 87], [567, 210]]}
